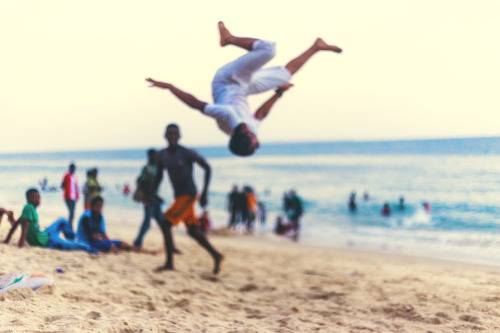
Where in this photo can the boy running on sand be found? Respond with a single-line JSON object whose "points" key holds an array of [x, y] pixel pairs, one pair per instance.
{"points": [[179, 161], [238, 79]]}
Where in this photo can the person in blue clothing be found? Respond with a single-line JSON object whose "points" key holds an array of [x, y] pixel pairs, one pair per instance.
{"points": [[92, 230], [48, 238]]}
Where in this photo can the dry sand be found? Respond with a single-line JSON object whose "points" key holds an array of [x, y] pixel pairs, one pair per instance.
{"points": [[266, 285]]}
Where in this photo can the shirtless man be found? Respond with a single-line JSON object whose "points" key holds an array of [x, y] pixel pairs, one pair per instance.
{"points": [[178, 161], [245, 76]]}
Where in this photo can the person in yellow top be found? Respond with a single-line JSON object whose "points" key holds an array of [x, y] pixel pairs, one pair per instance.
{"points": [[92, 188]]}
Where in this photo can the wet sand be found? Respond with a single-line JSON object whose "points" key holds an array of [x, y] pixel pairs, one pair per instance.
{"points": [[267, 284]]}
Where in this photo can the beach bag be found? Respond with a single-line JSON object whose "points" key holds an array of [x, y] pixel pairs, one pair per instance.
{"points": [[138, 195]]}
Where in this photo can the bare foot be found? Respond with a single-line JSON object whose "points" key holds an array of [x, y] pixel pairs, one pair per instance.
{"points": [[322, 45], [217, 263], [225, 35]]}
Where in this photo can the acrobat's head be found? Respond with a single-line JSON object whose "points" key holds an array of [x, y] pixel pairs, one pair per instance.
{"points": [[243, 141]]}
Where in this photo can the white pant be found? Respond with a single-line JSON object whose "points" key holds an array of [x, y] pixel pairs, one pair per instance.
{"points": [[246, 71]]}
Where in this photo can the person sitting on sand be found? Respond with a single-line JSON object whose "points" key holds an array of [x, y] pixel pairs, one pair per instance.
{"points": [[92, 230], [49, 238], [179, 161], [244, 76], [281, 228]]}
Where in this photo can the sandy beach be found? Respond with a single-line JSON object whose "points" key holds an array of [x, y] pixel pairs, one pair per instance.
{"points": [[266, 284]]}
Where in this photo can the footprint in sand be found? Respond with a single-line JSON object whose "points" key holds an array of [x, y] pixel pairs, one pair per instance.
{"points": [[209, 277], [93, 315], [183, 303], [443, 315], [157, 282], [248, 287], [51, 319], [470, 319]]}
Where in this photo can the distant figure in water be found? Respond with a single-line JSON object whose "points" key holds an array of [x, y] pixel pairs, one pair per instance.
{"points": [[244, 76], [386, 211], [126, 189], [427, 207], [401, 205], [44, 183], [352, 202], [366, 196]]}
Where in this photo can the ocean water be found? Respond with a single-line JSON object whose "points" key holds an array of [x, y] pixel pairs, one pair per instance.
{"points": [[459, 178]]}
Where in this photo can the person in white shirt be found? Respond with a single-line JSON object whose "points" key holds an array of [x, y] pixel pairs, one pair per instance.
{"points": [[245, 76]]}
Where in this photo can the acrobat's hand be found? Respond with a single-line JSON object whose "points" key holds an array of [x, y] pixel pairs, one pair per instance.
{"points": [[286, 86], [158, 84]]}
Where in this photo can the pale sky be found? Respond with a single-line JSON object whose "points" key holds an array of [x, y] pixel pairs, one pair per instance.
{"points": [[72, 71]]}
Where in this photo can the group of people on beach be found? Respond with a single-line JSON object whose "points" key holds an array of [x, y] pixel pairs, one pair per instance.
{"points": [[230, 87], [244, 208], [91, 235]]}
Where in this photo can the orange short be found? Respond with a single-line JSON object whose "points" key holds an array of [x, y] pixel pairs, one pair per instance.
{"points": [[182, 210]]}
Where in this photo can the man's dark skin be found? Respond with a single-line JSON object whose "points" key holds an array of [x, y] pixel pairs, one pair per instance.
{"points": [[173, 135]]}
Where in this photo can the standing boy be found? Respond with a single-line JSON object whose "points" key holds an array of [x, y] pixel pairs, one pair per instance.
{"points": [[178, 161]]}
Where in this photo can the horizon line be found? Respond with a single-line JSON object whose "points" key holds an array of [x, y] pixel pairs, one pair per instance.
{"points": [[87, 150]]}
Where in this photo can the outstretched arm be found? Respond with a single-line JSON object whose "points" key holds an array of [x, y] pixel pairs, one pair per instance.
{"points": [[188, 99], [264, 110]]}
